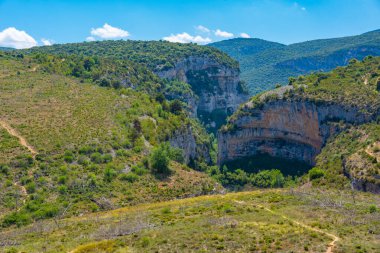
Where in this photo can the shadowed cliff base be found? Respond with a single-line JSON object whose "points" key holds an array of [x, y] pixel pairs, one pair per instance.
{"points": [[256, 163]]}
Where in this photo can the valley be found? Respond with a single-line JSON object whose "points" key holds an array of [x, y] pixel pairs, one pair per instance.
{"points": [[153, 146]]}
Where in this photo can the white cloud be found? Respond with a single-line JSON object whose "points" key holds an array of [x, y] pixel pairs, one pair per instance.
{"points": [[245, 35], [202, 29], [297, 5], [223, 34], [109, 32], [90, 38], [187, 38], [11, 37], [47, 42]]}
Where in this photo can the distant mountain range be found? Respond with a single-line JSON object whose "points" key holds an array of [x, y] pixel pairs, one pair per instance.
{"points": [[6, 49], [265, 63]]}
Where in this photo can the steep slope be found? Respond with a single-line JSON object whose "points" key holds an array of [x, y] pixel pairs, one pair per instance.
{"points": [[354, 153], [262, 69], [93, 144], [212, 75], [294, 122]]}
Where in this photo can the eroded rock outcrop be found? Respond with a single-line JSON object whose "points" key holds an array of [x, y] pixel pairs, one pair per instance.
{"points": [[289, 129], [193, 149], [217, 86]]}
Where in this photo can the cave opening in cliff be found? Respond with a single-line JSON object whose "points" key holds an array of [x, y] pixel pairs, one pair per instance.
{"points": [[256, 163]]}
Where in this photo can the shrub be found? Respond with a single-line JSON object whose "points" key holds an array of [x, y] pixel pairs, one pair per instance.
{"points": [[62, 180], [4, 169], [46, 211], [268, 178], [166, 210], [106, 158], [139, 170], [176, 107], [176, 154], [83, 160], [109, 174], [372, 209], [97, 157], [62, 189], [86, 150], [130, 177], [23, 161], [159, 160], [16, 218], [31, 187], [315, 173], [68, 156]]}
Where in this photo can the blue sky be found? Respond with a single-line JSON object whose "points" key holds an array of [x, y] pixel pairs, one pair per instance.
{"points": [[281, 21]]}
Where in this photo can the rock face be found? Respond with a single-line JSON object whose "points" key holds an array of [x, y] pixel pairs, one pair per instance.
{"points": [[184, 138], [218, 87], [287, 129]]}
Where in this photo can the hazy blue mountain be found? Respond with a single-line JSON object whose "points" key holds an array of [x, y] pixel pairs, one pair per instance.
{"points": [[264, 63]]}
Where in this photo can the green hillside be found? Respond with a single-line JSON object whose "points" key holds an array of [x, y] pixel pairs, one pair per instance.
{"points": [[268, 63], [156, 55], [298, 220], [350, 155], [70, 146]]}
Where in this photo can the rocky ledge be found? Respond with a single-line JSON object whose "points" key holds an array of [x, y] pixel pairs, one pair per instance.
{"points": [[295, 130], [217, 86]]}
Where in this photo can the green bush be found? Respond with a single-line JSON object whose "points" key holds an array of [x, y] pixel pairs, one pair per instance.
{"points": [[138, 170], [46, 211], [62, 180], [268, 178], [176, 154], [16, 218], [372, 209], [159, 160], [4, 169], [31, 187], [109, 174], [97, 157], [315, 173], [62, 189], [130, 177]]}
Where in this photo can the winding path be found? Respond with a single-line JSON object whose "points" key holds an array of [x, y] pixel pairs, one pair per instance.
{"points": [[24, 143], [332, 236], [21, 139]]}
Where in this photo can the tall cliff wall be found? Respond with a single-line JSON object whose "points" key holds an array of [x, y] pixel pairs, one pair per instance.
{"points": [[217, 86], [287, 129]]}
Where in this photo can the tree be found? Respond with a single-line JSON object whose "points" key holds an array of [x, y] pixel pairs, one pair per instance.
{"points": [[160, 98], [315, 173], [291, 80], [159, 160], [176, 107], [88, 63]]}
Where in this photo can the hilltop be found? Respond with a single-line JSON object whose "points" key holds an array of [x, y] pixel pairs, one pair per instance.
{"points": [[265, 64], [215, 88]]}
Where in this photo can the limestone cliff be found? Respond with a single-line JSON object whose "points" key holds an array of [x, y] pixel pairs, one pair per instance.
{"points": [[289, 129], [193, 148], [217, 86], [295, 122]]}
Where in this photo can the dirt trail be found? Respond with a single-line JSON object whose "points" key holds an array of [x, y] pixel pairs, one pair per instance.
{"points": [[334, 237], [22, 140]]}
